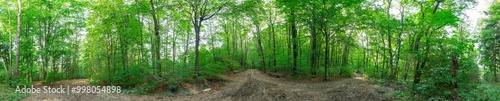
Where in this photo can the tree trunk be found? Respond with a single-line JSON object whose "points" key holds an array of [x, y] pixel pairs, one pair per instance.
{"points": [[327, 51], [9, 67], [274, 45], [418, 72], [295, 44], [389, 44], [326, 35], [345, 58], [261, 51], [174, 41], [212, 45], [157, 34], [494, 66], [241, 49], [313, 49], [226, 31], [18, 38], [54, 69], [186, 48], [454, 69], [399, 39], [123, 52], [235, 40], [108, 55], [197, 26]]}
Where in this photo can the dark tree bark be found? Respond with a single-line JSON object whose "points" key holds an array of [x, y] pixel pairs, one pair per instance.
{"points": [[326, 35], [274, 43], [261, 51], [313, 48], [294, 43], [454, 70], [392, 75], [157, 36]]}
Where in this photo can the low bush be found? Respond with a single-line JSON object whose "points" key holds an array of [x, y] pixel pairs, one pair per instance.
{"points": [[483, 92]]}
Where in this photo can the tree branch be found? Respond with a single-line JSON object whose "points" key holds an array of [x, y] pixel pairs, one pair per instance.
{"points": [[214, 13]]}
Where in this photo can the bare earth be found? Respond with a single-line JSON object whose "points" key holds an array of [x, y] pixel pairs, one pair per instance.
{"points": [[249, 85]]}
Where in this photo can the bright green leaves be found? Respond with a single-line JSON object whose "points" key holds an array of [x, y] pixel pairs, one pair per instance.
{"points": [[443, 18]]}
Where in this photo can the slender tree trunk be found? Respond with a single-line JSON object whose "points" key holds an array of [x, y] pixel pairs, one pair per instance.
{"points": [[327, 51], [295, 44], [495, 64], [417, 71], [5, 66], [241, 49], [389, 44], [454, 70], [227, 34], [345, 58], [289, 45], [274, 45], [174, 42], [108, 55], [122, 51], [261, 51], [212, 45], [141, 52], [327, 39], [418, 68], [9, 67], [54, 69], [186, 48], [398, 54], [245, 55], [18, 38], [197, 26], [157, 34], [235, 40], [313, 48]]}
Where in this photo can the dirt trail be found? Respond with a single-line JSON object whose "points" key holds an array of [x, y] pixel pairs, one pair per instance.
{"points": [[250, 85]]}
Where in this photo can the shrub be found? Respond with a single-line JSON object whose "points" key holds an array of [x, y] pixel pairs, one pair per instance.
{"points": [[483, 92], [346, 71], [126, 78], [8, 93]]}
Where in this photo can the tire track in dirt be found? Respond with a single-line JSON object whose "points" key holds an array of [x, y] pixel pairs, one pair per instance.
{"points": [[249, 85]]}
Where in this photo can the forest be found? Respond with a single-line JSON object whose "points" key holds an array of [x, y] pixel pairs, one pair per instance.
{"points": [[163, 49]]}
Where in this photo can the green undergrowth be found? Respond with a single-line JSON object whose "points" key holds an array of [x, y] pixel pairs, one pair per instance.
{"points": [[8, 94], [305, 72], [483, 92], [137, 80]]}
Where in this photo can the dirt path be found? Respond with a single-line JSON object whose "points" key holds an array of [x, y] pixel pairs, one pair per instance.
{"points": [[250, 85]]}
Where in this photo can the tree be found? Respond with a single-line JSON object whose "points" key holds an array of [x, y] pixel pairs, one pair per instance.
{"points": [[18, 38], [199, 11], [489, 39], [157, 36]]}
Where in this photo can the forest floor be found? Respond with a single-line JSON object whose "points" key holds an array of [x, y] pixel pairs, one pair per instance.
{"points": [[249, 85]]}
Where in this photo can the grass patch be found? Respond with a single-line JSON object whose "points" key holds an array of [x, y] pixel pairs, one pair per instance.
{"points": [[8, 94]]}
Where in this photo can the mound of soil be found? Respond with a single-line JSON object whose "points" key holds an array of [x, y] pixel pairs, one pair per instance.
{"points": [[258, 91]]}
